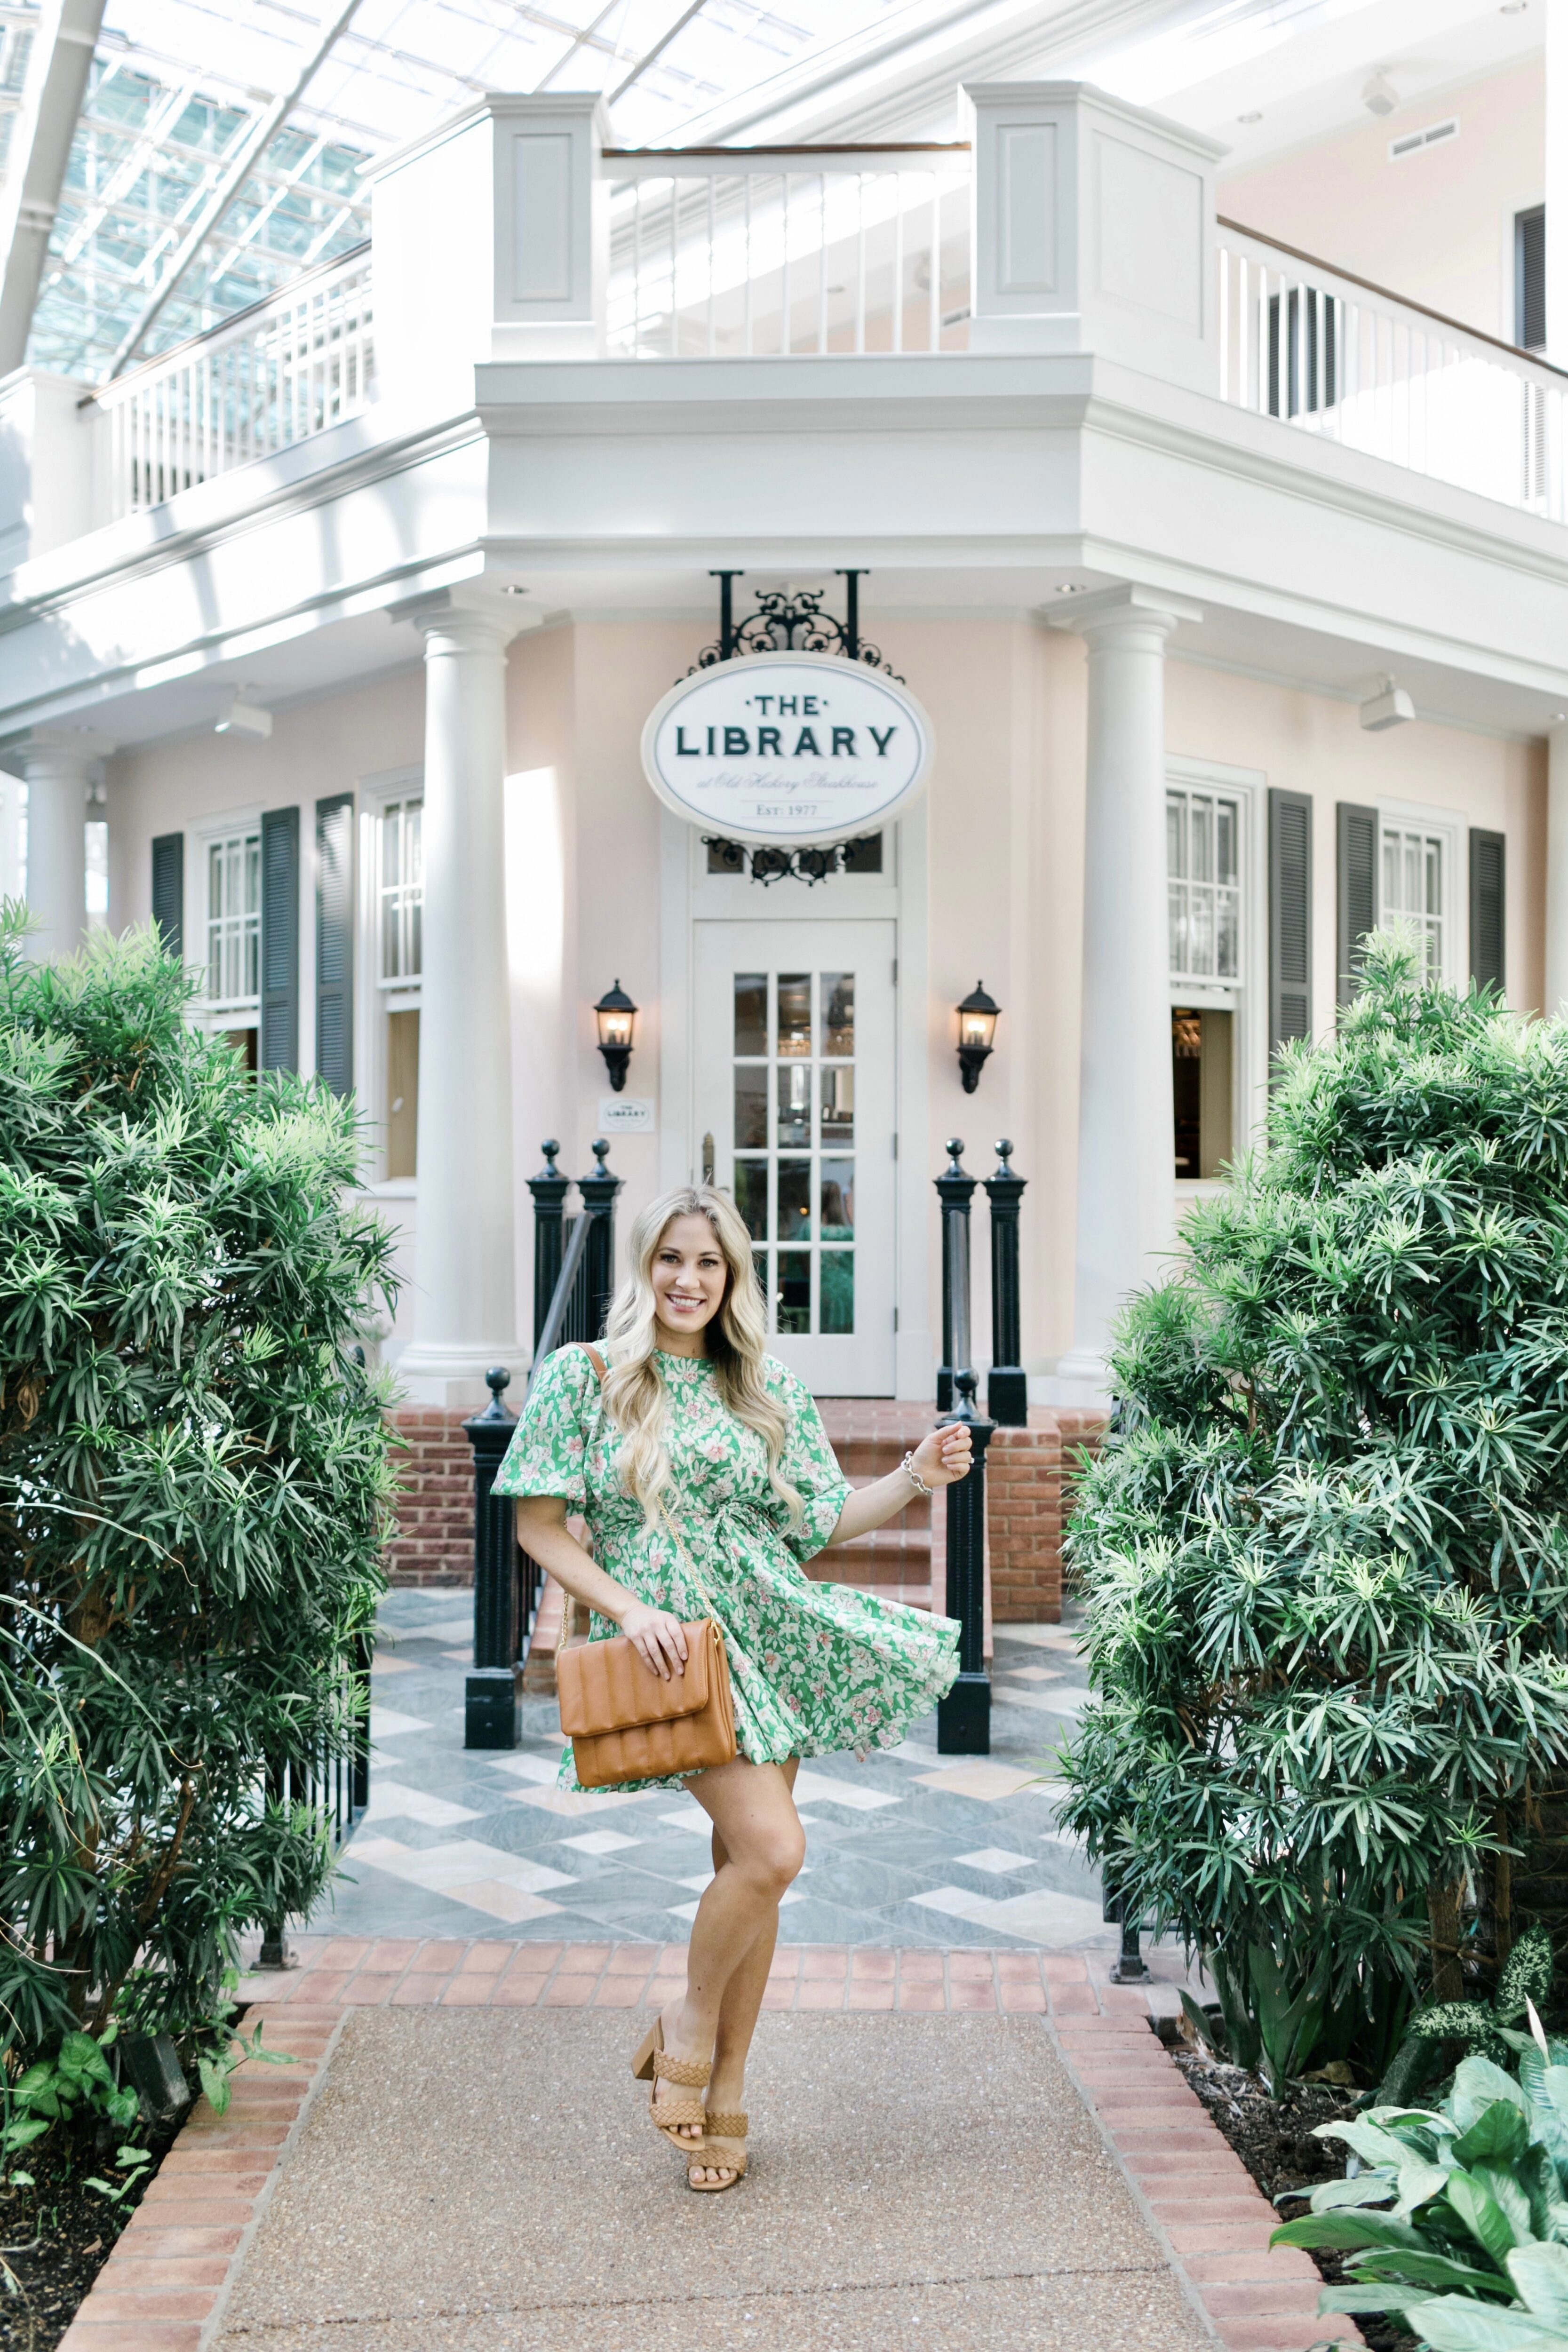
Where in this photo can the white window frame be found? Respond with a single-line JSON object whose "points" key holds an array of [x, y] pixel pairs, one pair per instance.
{"points": [[1246, 998], [373, 996], [217, 1014], [1452, 829]]}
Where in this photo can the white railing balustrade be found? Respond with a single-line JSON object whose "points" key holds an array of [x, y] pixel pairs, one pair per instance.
{"points": [[740, 254], [273, 375], [1325, 351]]}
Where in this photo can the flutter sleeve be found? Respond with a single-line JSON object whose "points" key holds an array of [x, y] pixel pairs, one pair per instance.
{"points": [[811, 1467], [550, 1443]]}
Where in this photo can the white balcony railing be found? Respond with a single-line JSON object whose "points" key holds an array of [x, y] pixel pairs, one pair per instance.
{"points": [[739, 253], [1331, 354], [273, 375]]}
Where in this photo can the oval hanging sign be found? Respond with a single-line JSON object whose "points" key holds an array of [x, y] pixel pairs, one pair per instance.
{"points": [[789, 748]]}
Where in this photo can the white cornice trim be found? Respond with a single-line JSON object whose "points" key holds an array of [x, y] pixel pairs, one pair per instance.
{"points": [[1259, 675], [132, 549]]}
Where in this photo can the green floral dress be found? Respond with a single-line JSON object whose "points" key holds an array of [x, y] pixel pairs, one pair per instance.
{"points": [[815, 1668]]}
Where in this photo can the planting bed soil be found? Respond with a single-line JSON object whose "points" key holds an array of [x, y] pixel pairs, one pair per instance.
{"points": [[56, 2237], [1274, 2139]]}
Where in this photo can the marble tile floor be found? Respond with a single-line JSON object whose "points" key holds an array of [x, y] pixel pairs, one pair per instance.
{"points": [[908, 1849]]}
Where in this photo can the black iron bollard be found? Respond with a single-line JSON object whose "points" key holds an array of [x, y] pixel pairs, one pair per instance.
{"points": [[492, 1696], [549, 1189], [964, 1716], [1130, 1967], [955, 1190], [598, 1192], [1006, 1388]]}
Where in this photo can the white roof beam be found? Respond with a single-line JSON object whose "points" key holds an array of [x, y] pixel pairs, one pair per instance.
{"points": [[40, 149]]}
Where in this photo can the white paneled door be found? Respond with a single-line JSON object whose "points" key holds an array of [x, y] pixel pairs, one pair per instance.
{"points": [[795, 1089]]}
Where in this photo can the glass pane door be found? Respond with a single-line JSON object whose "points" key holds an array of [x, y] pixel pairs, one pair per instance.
{"points": [[793, 1036], [793, 1101]]}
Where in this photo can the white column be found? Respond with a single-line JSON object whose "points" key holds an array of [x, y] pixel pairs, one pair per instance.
{"points": [[1125, 1150], [1556, 996], [465, 1301], [58, 774], [1555, 181]]}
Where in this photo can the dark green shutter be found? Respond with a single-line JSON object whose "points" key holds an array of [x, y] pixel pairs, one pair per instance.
{"points": [[169, 891], [1357, 867], [1290, 919], [335, 941], [1530, 278], [280, 1040], [1489, 922]]}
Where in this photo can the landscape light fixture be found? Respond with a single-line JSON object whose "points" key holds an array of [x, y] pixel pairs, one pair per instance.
{"points": [[976, 1034], [238, 716], [1390, 708], [615, 1013]]}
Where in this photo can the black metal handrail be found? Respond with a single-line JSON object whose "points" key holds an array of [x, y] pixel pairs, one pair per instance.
{"points": [[574, 1276], [337, 1787], [568, 1301]]}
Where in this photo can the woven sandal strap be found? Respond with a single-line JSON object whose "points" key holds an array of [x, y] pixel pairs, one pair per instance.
{"points": [[692, 2071], [727, 2127], [666, 2112]]}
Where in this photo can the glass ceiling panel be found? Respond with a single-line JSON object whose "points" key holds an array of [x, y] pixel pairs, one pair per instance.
{"points": [[177, 87]]}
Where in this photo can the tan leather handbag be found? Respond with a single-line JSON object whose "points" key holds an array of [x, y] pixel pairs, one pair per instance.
{"points": [[627, 1723]]}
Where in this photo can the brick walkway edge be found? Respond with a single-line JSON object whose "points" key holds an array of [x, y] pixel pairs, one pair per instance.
{"points": [[167, 2284]]}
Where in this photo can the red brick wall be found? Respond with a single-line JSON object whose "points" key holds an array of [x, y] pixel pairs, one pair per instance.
{"points": [[1030, 1473], [435, 1538]]}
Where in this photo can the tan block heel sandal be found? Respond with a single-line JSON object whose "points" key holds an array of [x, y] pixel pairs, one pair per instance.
{"points": [[652, 2063], [723, 2150]]}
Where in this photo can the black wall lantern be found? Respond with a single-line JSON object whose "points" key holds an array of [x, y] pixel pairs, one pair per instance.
{"points": [[615, 1014], [976, 1034]]}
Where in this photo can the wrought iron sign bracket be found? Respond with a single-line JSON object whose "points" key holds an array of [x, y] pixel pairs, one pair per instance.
{"points": [[786, 624]]}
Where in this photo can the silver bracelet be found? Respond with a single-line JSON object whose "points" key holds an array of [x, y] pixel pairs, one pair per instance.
{"points": [[908, 1466]]}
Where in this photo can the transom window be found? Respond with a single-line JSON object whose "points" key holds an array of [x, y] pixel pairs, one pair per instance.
{"points": [[1411, 887], [1203, 860], [234, 922], [794, 1142], [402, 890]]}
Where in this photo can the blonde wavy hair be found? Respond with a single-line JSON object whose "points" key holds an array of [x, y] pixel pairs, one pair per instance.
{"points": [[635, 1394]]}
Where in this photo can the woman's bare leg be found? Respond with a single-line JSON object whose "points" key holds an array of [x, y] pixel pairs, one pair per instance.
{"points": [[759, 1846], [742, 2003]]}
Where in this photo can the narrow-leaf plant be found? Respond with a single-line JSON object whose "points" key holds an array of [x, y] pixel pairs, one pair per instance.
{"points": [[1325, 1551], [194, 1479]]}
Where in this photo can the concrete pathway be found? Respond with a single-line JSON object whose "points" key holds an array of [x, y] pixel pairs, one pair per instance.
{"points": [[486, 2179], [909, 1848]]}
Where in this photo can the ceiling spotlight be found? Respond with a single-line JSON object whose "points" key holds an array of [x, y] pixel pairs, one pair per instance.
{"points": [[1256, 116], [238, 716], [1391, 707], [1380, 97], [1514, 7], [1070, 587]]}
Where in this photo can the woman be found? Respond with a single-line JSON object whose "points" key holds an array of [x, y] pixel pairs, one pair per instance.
{"points": [[706, 1478]]}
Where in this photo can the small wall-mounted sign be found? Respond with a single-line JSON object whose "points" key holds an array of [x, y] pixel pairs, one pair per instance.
{"points": [[797, 747], [624, 1114]]}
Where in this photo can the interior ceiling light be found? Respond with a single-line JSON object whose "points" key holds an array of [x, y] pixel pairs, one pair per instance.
{"points": [[1379, 96], [1256, 116], [1390, 707]]}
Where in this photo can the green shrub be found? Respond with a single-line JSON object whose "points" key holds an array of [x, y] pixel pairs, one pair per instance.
{"points": [[193, 1475], [1325, 1553]]}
